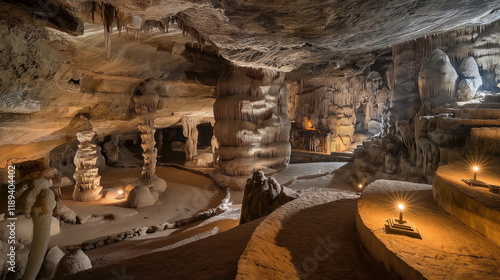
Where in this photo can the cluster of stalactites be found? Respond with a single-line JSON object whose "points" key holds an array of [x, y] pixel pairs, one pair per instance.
{"points": [[189, 30], [135, 24], [109, 15], [475, 41]]}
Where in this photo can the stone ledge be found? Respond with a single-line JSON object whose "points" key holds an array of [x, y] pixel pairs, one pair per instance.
{"points": [[476, 207], [448, 249]]}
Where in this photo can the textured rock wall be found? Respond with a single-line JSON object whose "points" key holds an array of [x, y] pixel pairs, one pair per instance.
{"points": [[443, 88], [49, 79], [333, 109]]}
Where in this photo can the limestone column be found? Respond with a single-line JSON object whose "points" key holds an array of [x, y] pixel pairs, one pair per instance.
{"points": [[146, 104], [190, 131], [251, 124], [148, 187], [88, 182]]}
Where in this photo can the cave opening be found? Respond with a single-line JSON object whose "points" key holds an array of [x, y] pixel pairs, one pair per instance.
{"points": [[172, 149]]}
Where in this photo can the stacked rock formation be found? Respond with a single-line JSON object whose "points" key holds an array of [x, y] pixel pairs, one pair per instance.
{"points": [[148, 187], [251, 125], [87, 187], [262, 196]]}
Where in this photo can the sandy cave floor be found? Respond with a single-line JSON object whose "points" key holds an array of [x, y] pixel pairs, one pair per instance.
{"points": [[211, 249], [448, 249]]}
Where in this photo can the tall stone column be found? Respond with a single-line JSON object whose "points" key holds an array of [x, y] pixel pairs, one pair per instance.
{"points": [[251, 124], [190, 131], [148, 187], [88, 182]]}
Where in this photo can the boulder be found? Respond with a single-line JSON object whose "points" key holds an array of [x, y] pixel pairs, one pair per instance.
{"points": [[72, 263], [52, 258], [262, 196]]}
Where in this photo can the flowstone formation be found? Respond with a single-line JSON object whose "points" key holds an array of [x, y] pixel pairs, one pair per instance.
{"points": [[470, 79], [328, 111], [251, 124], [262, 196], [436, 109], [437, 77], [87, 187], [147, 189]]}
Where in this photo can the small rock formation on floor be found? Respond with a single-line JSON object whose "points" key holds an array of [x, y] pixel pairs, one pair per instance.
{"points": [[52, 258], [87, 187], [148, 187], [65, 214], [72, 263], [262, 196]]}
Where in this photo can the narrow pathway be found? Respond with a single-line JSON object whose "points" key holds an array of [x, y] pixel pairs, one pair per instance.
{"points": [[312, 237]]}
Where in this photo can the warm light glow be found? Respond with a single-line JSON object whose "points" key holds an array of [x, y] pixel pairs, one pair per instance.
{"points": [[120, 191], [360, 186], [475, 168], [401, 207]]}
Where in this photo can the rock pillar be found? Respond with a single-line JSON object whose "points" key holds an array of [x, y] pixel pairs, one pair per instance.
{"points": [[190, 131], [251, 124], [147, 189], [87, 187]]}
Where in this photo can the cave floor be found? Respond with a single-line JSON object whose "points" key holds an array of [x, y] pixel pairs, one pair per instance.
{"points": [[213, 249], [448, 249]]}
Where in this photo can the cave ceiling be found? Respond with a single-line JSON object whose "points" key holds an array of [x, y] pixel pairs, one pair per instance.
{"points": [[339, 36]]}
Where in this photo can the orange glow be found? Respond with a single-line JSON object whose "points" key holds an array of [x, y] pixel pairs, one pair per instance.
{"points": [[401, 207], [310, 125]]}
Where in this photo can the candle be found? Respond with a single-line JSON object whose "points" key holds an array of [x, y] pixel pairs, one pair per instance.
{"points": [[401, 207], [475, 169]]}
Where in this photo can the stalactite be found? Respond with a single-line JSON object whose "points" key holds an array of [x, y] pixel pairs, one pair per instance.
{"points": [[108, 16], [189, 30]]}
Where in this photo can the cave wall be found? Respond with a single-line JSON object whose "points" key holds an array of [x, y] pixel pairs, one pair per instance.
{"points": [[329, 114], [430, 118], [49, 79]]}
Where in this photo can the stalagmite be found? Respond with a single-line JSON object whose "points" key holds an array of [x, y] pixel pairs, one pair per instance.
{"points": [[470, 79], [262, 196], [87, 187], [41, 213], [437, 77], [251, 126], [149, 186]]}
